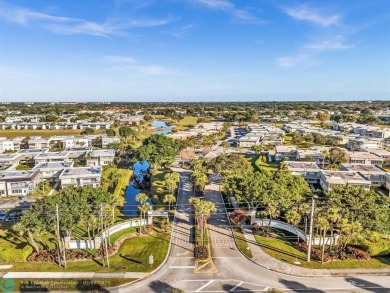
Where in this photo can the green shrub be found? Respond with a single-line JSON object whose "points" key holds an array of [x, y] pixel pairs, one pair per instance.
{"points": [[176, 290], [11, 254]]}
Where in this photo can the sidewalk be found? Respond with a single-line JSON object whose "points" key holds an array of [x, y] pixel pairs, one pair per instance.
{"points": [[265, 260], [74, 275]]}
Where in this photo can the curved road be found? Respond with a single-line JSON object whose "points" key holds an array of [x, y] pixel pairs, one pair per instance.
{"points": [[235, 272]]}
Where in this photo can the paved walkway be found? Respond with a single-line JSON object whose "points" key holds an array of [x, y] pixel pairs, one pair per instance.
{"points": [[75, 275], [265, 260]]}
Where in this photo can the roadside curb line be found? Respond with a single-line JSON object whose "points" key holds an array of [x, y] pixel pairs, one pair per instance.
{"points": [[341, 274]]}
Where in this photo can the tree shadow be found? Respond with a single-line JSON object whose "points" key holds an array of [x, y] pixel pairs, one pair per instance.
{"points": [[366, 285], [127, 257], [298, 287], [158, 286], [229, 288], [30, 286]]}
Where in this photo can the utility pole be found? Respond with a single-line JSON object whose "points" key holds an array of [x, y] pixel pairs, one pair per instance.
{"points": [[58, 235], [102, 236], [64, 252], [310, 230]]}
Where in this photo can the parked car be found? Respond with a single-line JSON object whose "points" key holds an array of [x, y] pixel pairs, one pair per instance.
{"points": [[13, 216], [3, 215]]}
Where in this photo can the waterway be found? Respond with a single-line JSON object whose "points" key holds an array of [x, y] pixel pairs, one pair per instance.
{"points": [[165, 128], [130, 207]]}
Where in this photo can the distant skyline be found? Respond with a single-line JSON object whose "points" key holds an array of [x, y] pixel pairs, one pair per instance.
{"points": [[194, 50]]}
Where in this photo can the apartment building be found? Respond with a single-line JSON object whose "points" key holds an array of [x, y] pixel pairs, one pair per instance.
{"points": [[285, 152], [81, 176], [9, 160], [51, 157], [100, 157], [6, 145], [329, 178], [19, 183], [51, 170], [308, 170], [38, 142], [374, 173], [384, 154], [364, 158]]}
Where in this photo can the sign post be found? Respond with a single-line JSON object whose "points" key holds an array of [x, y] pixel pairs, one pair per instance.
{"points": [[151, 260]]}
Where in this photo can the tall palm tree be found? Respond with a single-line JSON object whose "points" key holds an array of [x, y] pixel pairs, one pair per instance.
{"points": [[293, 217], [323, 225]]}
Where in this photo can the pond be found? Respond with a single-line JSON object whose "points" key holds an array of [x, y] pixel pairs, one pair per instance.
{"points": [[130, 207], [159, 124], [165, 127]]}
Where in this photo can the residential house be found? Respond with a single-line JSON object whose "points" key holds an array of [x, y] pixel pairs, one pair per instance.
{"points": [[375, 173], [19, 183], [100, 157], [38, 142], [51, 170], [6, 145], [384, 154], [365, 158], [9, 160], [106, 140], [81, 176], [285, 152], [51, 157], [308, 170], [329, 178]]}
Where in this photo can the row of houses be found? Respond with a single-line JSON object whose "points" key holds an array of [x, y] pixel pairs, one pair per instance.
{"points": [[261, 134], [380, 157], [360, 175], [59, 142], [23, 183], [206, 128], [362, 129], [92, 157], [54, 125], [55, 167]]}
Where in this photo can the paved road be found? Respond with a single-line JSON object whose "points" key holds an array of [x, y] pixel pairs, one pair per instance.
{"points": [[235, 272]]}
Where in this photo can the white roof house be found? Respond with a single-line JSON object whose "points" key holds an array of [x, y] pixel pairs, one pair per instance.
{"points": [[375, 173], [364, 158], [51, 157], [52, 170], [329, 178], [81, 176], [18, 183], [100, 157], [308, 170]]}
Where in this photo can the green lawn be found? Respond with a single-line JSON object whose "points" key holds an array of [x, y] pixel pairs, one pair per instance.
{"points": [[252, 159], [262, 165], [288, 141], [159, 189], [80, 285], [283, 250], [133, 256], [241, 242], [44, 133]]}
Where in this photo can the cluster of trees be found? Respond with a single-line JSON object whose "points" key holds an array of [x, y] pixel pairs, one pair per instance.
{"points": [[274, 193], [316, 138], [77, 206], [157, 150]]}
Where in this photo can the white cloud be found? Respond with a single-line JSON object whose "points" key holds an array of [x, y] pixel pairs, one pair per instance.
{"points": [[336, 43], [117, 59], [14, 72], [69, 25], [152, 69], [300, 60], [229, 7], [306, 13]]}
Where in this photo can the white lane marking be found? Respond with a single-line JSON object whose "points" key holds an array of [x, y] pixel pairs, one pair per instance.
{"points": [[204, 286], [235, 287], [182, 267]]}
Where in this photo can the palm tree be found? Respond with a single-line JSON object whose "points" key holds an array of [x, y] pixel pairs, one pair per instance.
{"points": [[141, 198], [323, 225], [325, 154], [293, 218], [203, 210], [225, 145], [172, 180], [304, 209], [144, 209], [199, 180], [169, 199], [333, 216]]}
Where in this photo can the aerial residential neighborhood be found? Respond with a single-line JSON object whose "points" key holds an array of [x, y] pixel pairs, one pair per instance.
{"points": [[195, 146]]}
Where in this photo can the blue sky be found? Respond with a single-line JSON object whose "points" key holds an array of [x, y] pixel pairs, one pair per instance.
{"points": [[194, 50]]}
